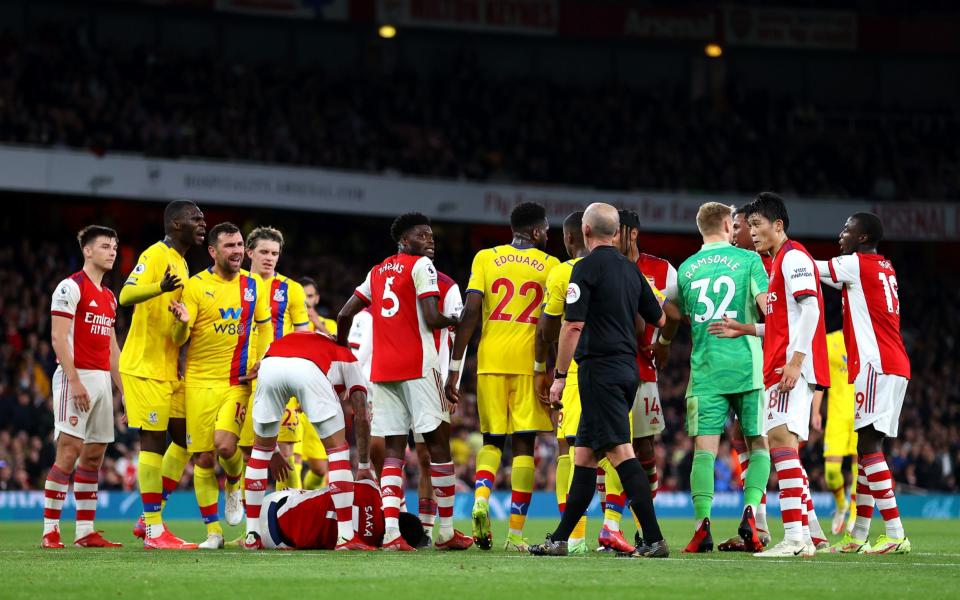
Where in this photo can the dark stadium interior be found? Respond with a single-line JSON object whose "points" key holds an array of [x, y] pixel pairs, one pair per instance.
{"points": [[121, 77]]}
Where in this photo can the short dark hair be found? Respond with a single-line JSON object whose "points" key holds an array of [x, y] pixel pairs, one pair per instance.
{"points": [[870, 225], [264, 233], [226, 227], [91, 232], [405, 222], [527, 214], [574, 222], [769, 205], [305, 281], [411, 529], [174, 209]]}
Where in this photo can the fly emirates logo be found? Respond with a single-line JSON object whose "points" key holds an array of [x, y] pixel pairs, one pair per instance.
{"points": [[99, 324]]}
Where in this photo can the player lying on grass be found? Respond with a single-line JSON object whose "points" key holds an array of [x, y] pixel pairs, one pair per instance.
{"points": [[309, 366], [306, 519]]}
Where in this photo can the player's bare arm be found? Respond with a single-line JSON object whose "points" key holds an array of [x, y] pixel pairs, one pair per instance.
{"points": [[731, 328], [545, 342], [59, 337], [361, 428], [661, 346], [464, 331], [569, 338], [345, 317]]}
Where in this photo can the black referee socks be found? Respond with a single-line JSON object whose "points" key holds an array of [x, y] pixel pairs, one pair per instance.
{"points": [[637, 487], [582, 489]]}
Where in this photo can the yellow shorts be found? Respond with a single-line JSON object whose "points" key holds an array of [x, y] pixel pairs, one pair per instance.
{"points": [[214, 409], [291, 426], [570, 415], [178, 402], [312, 446], [839, 438], [507, 404], [148, 402]]}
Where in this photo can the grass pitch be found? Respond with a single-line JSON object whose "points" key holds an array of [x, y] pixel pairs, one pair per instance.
{"points": [[26, 571]]}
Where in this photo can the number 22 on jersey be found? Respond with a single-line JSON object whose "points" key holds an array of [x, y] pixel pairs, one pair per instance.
{"points": [[528, 289]]}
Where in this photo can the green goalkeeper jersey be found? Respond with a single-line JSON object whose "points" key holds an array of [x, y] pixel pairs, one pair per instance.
{"points": [[722, 280]]}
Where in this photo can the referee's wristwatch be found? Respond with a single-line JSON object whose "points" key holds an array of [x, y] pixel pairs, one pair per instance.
{"points": [[559, 375]]}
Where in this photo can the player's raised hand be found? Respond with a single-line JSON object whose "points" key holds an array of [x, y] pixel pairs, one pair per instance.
{"points": [[170, 281], [80, 396], [727, 328], [279, 467], [179, 310]]}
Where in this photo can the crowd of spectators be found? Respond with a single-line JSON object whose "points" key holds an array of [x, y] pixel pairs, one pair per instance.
{"points": [[468, 123], [925, 455]]}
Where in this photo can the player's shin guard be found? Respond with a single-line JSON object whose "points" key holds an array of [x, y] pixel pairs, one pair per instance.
{"points": [[341, 487], [54, 494], [755, 481], [702, 483], [391, 490], [208, 495], [444, 488], [521, 481], [562, 481], [613, 499], [865, 503], [488, 462], [85, 485], [150, 478], [880, 482], [255, 485], [175, 460], [650, 468], [636, 484], [786, 461], [233, 469], [582, 488]]}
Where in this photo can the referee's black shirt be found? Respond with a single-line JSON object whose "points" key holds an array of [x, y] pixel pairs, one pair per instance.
{"points": [[606, 292]]}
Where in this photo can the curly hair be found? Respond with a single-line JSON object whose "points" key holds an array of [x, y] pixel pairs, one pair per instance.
{"points": [[527, 214], [405, 222]]}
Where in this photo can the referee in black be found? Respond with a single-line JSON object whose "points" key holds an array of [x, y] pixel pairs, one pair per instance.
{"points": [[605, 300]]}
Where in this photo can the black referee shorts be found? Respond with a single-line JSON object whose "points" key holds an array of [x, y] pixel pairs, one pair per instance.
{"points": [[607, 391]]}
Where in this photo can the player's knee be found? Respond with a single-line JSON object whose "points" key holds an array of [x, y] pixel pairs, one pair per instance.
{"points": [[644, 448], [204, 460], [497, 441]]}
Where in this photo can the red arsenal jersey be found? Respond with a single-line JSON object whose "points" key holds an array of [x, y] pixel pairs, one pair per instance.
{"points": [[93, 310], [871, 314], [308, 518], [793, 276], [663, 277], [404, 347], [337, 363]]}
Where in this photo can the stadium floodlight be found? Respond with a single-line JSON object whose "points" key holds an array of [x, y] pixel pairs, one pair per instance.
{"points": [[713, 50], [387, 31]]}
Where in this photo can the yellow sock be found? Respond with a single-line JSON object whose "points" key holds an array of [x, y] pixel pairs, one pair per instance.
{"points": [[151, 486], [488, 461], [521, 479], [834, 475], [312, 481], [208, 495], [614, 512], [580, 531], [233, 469], [175, 459], [563, 481]]}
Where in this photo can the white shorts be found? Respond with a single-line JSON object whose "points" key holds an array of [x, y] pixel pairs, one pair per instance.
{"points": [[879, 400], [789, 408], [280, 378], [417, 404], [646, 412], [94, 426]]}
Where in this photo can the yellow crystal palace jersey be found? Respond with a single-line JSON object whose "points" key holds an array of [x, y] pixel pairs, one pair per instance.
{"points": [[148, 351], [221, 328], [512, 281], [557, 283], [288, 304]]}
